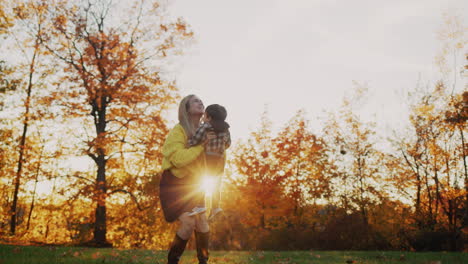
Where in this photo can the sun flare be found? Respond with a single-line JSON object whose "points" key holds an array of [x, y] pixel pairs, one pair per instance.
{"points": [[208, 184]]}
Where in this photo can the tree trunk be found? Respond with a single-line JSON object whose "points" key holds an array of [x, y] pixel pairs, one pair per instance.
{"points": [[34, 191], [49, 218], [18, 177], [438, 199], [429, 220], [465, 216], [418, 197], [22, 145], [100, 228]]}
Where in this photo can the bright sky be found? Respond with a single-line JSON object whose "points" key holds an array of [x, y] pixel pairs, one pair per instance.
{"points": [[293, 54], [288, 55]]}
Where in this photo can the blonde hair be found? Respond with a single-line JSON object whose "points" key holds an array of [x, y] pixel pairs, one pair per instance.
{"points": [[184, 118]]}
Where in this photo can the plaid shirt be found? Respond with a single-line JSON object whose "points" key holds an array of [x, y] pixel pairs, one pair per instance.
{"points": [[215, 146]]}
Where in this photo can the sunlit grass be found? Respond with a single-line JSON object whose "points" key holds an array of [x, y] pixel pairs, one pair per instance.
{"points": [[66, 255]]}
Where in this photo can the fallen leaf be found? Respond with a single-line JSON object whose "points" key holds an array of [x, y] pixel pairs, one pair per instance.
{"points": [[96, 255]]}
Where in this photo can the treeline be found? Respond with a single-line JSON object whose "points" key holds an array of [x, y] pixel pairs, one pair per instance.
{"points": [[83, 105], [340, 190]]}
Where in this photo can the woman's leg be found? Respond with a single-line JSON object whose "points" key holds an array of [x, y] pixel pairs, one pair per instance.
{"points": [[176, 250], [202, 236], [201, 223], [187, 225]]}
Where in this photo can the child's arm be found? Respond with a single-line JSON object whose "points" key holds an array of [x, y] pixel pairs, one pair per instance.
{"points": [[199, 135]]}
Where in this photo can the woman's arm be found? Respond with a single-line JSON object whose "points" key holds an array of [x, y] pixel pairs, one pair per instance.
{"points": [[176, 153]]}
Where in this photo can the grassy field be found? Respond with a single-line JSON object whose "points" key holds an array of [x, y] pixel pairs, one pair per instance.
{"points": [[10, 254]]}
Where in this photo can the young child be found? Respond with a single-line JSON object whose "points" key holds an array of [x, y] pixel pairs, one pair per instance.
{"points": [[214, 122]]}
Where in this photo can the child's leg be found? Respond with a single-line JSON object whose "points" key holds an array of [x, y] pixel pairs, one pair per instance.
{"points": [[215, 166], [210, 172], [216, 199], [216, 196]]}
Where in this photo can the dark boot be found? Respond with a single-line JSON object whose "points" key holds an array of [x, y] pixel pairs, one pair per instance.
{"points": [[177, 248], [202, 240]]}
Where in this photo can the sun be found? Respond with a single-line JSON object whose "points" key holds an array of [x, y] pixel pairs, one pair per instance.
{"points": [[208, 184]]}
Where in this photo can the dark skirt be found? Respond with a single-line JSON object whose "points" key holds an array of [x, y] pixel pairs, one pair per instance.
{"points": [[178, 195]]}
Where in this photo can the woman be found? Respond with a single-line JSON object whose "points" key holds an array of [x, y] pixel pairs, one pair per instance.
{"points": [[179, 187]]}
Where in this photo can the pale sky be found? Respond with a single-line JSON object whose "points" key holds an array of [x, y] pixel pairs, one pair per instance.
{"points": [[293, 54]]}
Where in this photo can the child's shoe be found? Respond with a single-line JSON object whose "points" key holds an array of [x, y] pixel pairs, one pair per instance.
{"points": [[214, 212], [197, 210]]}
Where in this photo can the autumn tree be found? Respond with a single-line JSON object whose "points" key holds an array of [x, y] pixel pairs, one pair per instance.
{"points": [[112, 80], [453, 64], [7, 144], [431, 170], [26, 35], [258, 182], [301, 158], [277, 178], [360, 176], [433, 149], [7, 83], [6, 19]]}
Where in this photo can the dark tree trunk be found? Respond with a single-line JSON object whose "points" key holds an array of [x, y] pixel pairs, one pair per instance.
{"points": [[22, 145], [465, 216], [34, 191], [100, 227]]}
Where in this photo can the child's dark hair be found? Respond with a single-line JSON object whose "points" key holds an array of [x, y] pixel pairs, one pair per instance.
{"points": [[218, 115]]}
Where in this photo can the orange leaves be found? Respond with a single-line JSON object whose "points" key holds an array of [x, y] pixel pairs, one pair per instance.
{"points": [[6, 20], [108, 63], [21, 11], [96, 255], [279, 173], [60, 22], [426, 111], [181, 26]]}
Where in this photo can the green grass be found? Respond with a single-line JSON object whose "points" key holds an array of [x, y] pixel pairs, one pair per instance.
{"points": [[10, 254]]}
